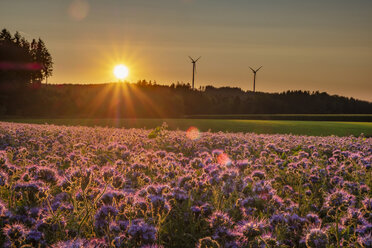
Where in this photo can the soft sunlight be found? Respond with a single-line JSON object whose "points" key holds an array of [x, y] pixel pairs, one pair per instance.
{"points": [[121, 72]]}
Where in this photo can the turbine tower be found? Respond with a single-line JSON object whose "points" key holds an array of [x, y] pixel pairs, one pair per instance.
{"points": [[254, 77], [193, 61]]}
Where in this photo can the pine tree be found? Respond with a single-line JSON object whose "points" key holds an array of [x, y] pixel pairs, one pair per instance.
{"points": [[45, 59], [5, 36], [36, 75], [15, 54], [17, 38], [23, 62]]}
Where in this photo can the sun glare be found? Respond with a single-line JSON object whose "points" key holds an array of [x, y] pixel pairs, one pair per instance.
{"points": [[121, 72]]}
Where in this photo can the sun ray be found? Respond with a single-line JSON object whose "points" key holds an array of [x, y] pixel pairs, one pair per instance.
{"points": [[143, 98], [100, 99]]}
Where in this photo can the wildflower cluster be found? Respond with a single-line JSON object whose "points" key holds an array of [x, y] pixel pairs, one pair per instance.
{"points": [[106, 187]]}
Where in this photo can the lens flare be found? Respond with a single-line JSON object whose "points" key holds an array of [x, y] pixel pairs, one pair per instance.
{"points": [[193, 133], [223, 159], [78, 9], [4, 65]]}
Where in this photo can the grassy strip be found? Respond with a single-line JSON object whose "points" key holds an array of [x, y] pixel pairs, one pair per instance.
{"points": [[293, 117], [315, 128]]}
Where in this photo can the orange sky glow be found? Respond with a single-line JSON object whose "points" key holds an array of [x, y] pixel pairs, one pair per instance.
{"points": [[307, 45]]}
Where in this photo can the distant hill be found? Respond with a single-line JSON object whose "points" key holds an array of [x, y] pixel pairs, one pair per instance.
{"points": [[145, 99]]}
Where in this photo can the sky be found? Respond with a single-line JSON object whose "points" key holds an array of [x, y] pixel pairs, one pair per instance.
{"points": [[323, 45]]}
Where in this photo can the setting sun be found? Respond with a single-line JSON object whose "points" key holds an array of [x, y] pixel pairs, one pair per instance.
{"points": [[121, 72]]}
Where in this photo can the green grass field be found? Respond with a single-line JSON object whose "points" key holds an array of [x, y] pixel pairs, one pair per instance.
{"points": [[316, 128], [292, 117]]}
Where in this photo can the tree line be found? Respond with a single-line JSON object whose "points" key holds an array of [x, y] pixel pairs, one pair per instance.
{"points": [[145, 100], [23, 62]]}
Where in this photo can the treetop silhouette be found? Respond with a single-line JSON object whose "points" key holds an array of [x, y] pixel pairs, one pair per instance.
{"points": [[22, 62]]}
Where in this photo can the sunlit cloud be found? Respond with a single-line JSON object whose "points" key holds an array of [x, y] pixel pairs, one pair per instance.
{"points": [[78, 9]]}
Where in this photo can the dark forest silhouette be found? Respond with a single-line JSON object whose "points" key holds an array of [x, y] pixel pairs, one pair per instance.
{"points": [[23, 62], [23, 65], [144, 99]]}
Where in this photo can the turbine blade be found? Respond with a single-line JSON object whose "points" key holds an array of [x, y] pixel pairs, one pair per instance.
{"points": [[191, 59], [198, 59], [252, 69], [258, 69]]}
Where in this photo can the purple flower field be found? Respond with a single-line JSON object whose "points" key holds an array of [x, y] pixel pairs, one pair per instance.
{"points": [[106, 187]]}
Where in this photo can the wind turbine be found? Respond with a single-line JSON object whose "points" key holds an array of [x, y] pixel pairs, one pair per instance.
{"points": [[254, 77], [193, 61]]}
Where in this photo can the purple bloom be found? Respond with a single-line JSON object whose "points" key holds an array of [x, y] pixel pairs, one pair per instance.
{"points": [[219, 219], [242, 164], [259, 174], [196, 210], [367, 204], [46, 175], [103, 217], [15, 233], [339, 198], [252, 228], [314, 219], [78, 243], [317, 238], [278, 219], [152, 246], [206, 209], [179, 194], [142, 232], [207, 242], [34, 237], [336, 180], [3, 179], [365, 241], [3, 209]]}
